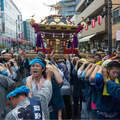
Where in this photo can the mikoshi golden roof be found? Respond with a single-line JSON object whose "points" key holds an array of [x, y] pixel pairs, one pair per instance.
{"points": [[55, 24]]}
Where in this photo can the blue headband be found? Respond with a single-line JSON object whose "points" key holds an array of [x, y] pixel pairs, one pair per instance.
{"points": [[22, 89], [36, 60], [4, 72]]}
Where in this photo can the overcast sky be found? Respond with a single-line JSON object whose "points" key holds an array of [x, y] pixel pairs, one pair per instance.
{"points": [[35, 7]]}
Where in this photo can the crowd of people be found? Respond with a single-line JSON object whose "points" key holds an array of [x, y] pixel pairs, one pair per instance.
{"points": [[59, 86]]}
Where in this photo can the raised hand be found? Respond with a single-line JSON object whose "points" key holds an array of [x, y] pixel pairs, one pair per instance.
{"points": [[49, 72], [105, 74], [66, 56]]}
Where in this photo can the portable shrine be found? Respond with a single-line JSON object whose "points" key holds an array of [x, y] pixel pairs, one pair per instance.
{"points": [[57, 33]]}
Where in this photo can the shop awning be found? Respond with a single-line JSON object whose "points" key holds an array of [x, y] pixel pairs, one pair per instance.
{"points": [[85, 39]]}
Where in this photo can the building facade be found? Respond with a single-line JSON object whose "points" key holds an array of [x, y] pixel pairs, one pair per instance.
{"points": [[10, 24], [29, 33], [94, 13], [68, 8], [116, 22]]}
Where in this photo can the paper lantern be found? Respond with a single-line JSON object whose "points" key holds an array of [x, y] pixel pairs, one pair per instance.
{"points": [[99, 20], [93, 23], [86, 28], [2, 38], [5, 38], [22, 35]]}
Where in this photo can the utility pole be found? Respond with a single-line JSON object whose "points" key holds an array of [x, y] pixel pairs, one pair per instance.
{"points": [[110, 27]]}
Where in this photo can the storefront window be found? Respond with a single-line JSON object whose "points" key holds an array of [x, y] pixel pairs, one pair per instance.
{"points": [[116, 15]]}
